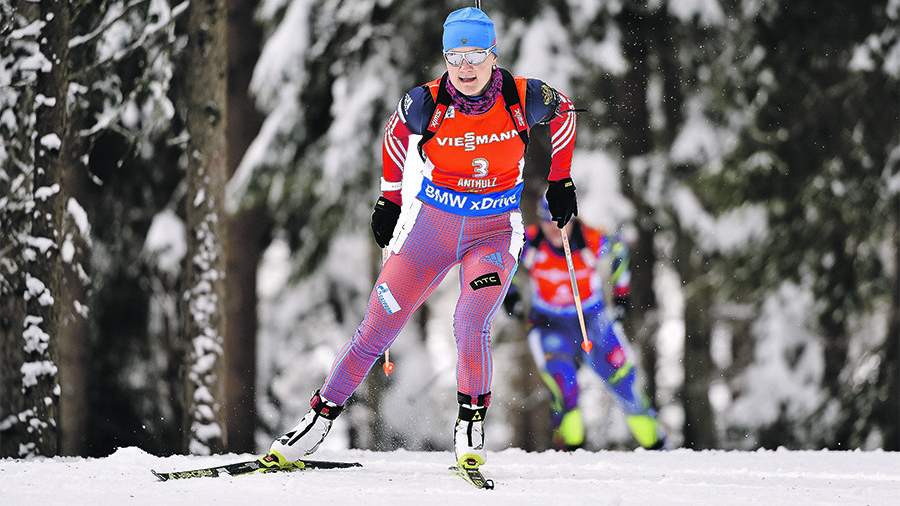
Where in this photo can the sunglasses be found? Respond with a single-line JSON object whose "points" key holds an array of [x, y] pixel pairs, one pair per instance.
{"points": [[477, 57]]}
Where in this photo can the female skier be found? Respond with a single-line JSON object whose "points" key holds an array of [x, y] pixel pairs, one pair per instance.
{"points": [[474, 123], [555, 336]]}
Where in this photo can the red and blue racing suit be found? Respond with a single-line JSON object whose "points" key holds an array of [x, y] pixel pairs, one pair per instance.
{"points": [[466, 214]]}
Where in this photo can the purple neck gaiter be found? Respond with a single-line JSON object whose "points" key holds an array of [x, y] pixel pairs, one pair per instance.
{"points": [[480, 104]]}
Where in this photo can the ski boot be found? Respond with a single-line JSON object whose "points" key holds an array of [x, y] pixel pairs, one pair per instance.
{"points": [[569, 435], [305, 437], [647, 431], [469, 430]]}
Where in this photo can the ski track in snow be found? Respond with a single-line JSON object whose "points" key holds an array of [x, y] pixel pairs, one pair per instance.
{"points": [[679, 477]]}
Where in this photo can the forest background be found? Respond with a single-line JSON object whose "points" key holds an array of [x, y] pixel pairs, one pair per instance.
{"points": [[185, 189]]}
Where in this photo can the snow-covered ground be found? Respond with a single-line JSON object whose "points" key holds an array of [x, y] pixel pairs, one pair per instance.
{"points": [[413, 478]]}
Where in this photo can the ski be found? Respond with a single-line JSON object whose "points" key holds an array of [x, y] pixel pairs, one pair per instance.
{"points": [[252, 466], [474, 477]]}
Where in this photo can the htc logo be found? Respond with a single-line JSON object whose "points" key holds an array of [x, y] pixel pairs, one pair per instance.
{"points": [[492, 279]]}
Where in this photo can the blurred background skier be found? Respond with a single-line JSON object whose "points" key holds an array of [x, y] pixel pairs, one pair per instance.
{"points": [[555, 337]]}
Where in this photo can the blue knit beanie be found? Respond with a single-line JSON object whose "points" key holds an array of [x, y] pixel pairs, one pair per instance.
{"points": [[469, 26]]}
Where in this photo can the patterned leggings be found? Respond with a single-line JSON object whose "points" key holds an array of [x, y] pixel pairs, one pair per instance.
{"points": [[427, 243]]}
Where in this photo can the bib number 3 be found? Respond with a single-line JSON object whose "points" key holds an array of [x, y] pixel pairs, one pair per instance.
{"points": [[481, 167]]}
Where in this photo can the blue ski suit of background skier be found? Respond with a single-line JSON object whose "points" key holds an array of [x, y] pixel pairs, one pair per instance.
{"points": [[555, 335]]}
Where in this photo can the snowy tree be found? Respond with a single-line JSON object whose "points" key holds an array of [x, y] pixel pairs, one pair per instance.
{"points": [[33, 425], [19, 61], [102, 103], [204, 282], [99, 100], [130, 146], [43, 271], [814, 150]]}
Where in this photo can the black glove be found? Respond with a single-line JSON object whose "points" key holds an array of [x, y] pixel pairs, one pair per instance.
{"points": [[384, 219], [512, 303], [561, 201]]}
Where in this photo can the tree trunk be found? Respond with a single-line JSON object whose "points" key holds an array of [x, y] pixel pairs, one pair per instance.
{"points": [[73, 332], [40, 383], [14, 227], [633, 117], [12, 314], [247, 235], [665, 47], [889, 373], [207, 168], [699, 420], [833, 322], [630, 107], [642, 322]]}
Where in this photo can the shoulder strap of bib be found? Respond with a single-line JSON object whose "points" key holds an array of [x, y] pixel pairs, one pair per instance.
{"points": [[511, 97]]}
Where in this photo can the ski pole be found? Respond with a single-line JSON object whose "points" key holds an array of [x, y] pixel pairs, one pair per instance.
{"points": [[388, 366], [586, 343]]}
